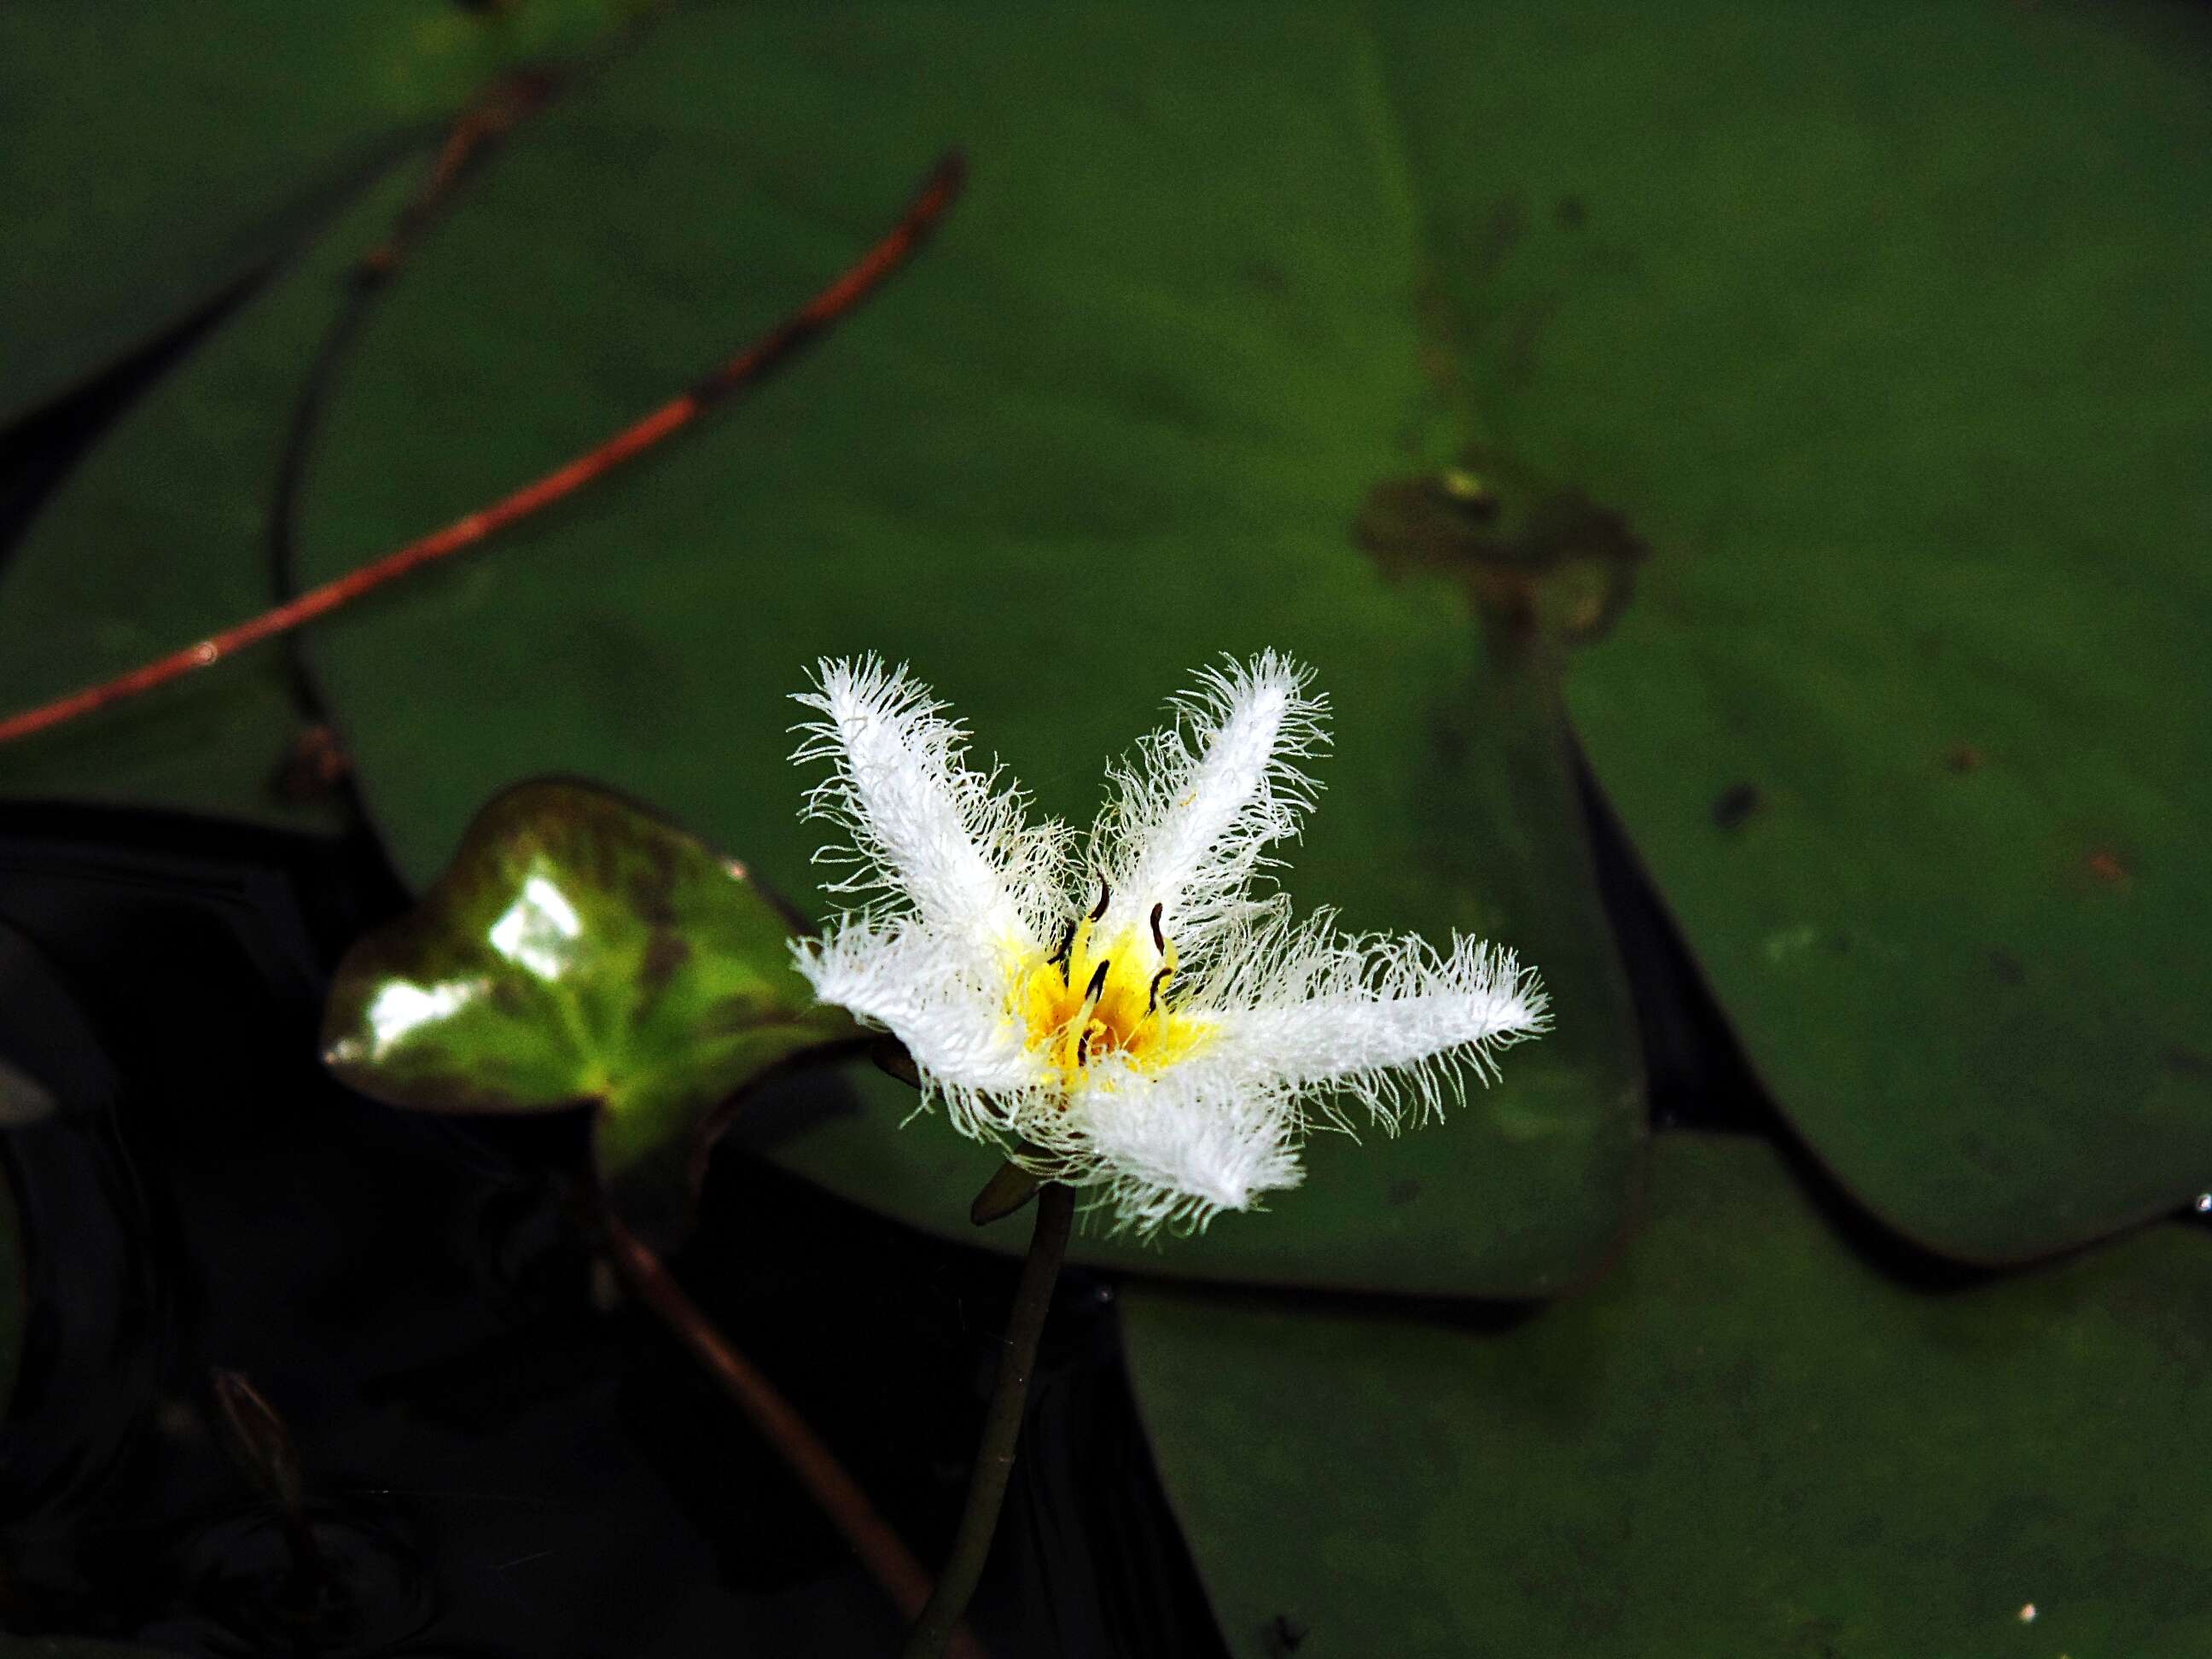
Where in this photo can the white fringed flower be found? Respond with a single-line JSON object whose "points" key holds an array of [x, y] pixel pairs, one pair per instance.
{"points": [[1137, 1020]]}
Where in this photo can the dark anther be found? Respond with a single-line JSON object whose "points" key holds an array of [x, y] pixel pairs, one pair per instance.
{"points": [[1067, 946], [1160, 940], [1097, 982], [1083, 1050], [1099, 908], [1159, 979]]}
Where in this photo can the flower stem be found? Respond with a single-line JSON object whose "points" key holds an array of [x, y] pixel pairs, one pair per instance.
{"points": [[1002, 1427], [880, 1550]]}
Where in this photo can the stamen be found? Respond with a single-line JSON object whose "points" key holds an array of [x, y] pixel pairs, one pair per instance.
{"points": [[1160, 940], [1083, 1049], [1097, 984], [1058, 958], [1152, 1001], [1098, 909]]}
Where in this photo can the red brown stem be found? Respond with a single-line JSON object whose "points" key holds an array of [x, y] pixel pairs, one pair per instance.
{"points": [[758, 360], [886, 1557]]}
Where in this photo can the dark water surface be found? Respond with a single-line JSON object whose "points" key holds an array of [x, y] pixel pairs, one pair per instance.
{"points": [[500, 1458]]}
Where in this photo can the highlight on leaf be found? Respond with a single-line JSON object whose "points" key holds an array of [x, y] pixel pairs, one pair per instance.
{"points": [[579, 950]]}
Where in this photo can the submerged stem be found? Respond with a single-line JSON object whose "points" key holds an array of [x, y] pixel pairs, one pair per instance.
{"points": [[881, 1550], [1002, 1427]]}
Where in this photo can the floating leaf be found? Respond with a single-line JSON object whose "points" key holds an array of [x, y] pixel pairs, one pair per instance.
{"points": [[1887, 332], [152, 154], [578, 949], [1748, 1440], [1143, 387], [1109, 426], [1890, 667], [163, 534]]}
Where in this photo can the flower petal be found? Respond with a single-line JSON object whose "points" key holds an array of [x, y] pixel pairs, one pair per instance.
{"points": [[926, 829], [904, 977], [1393, 1021], [1173, 1150], [1201, 800]]}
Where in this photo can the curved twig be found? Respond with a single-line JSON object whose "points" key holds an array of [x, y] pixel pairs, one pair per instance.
{"points": [[756, 361]]}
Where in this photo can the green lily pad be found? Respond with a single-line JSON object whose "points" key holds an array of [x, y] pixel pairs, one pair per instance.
{"points": [[579, 950], [1877, 334], [153, 154], [1108, 426], [1885, 332], [1746, 1441], [161, 535]]}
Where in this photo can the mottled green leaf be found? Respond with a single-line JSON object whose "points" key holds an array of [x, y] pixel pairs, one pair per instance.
{"points": [[578, 948], [1122, 416], [1749, 1440], [154, 153]]}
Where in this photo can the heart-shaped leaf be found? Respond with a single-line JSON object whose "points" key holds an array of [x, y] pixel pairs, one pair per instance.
{"points": [[1749, 1440], [579, 950]]}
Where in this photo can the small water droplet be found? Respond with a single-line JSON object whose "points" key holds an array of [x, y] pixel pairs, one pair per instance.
{"points": [[2204, 1203]]}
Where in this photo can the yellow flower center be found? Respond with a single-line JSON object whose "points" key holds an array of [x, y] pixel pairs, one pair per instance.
{"points": [[1094, 997]]}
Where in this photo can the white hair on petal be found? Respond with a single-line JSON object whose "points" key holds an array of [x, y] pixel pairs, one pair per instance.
{"points": [[1200, 801], [950, 1013], [1284, 1023], [1160, 1152], [960, 887], [928, 832], [1393, 1023]]}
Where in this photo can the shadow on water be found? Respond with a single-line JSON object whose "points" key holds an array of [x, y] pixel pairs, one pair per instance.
{"points": [[496, 1457]]}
